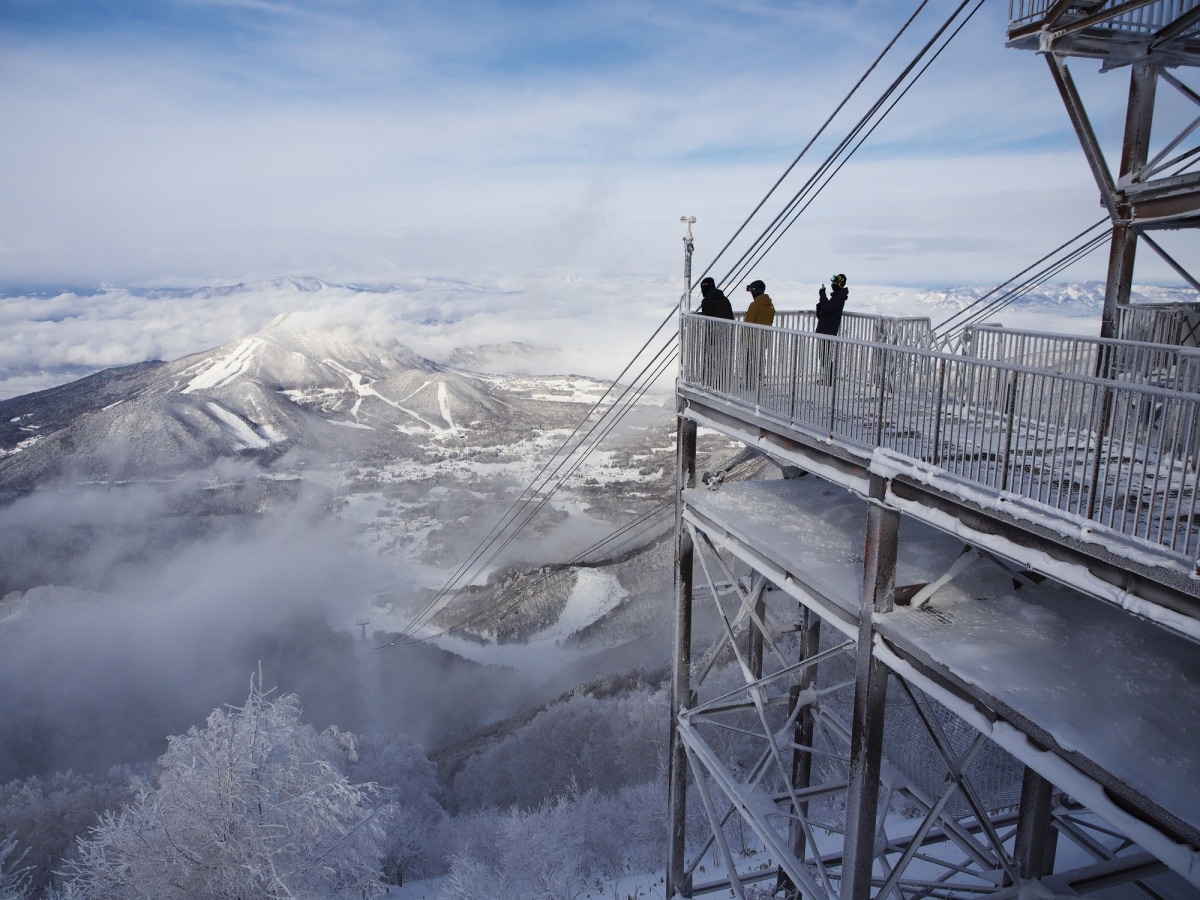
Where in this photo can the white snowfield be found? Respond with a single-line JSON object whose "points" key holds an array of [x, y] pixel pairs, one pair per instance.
{"points": [[220, 371], [240, 428]]}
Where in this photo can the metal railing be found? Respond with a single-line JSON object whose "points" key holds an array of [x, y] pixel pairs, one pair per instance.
{"points": [[1143, 20], [1164, 323], [1113, 454], [1163, 365], [914, 331]]}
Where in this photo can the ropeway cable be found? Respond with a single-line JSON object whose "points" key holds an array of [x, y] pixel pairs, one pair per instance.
{"points": [[1038, 280], [631, 532], [816, 135], [1057, 264], [962, 312], [564, 450], [506, 600], [778, 226], [607, 422], [793, 211], [531, 513], [531, 491]]}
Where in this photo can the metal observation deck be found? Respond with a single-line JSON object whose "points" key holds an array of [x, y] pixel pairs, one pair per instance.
{"points": [[960, 658]]}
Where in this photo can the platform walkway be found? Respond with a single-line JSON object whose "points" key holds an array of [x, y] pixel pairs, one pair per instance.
{"points": [[1039, 513], [1106, 467], [1077, 690]]}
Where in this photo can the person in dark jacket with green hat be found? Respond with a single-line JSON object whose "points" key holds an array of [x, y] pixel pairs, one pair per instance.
{"points": [[829, 322]]}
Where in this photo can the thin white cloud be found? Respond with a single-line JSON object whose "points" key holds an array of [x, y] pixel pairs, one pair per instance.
{"points": [[351, 142]]}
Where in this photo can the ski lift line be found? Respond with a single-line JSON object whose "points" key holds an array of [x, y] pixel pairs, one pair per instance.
{"points": [[777, 228], [474, 563], [828, 176], [532, 512], [532, 488], [498, 607], [647, 522], [1036, 280], [426, 615], [740, 266], [659, 514], [1041, 279], [1017, 293], [846, 99], [1038, 262], [514, 509]]}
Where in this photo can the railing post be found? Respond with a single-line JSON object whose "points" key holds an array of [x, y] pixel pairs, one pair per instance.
{"points": [[938, 406], [1010, 420]]}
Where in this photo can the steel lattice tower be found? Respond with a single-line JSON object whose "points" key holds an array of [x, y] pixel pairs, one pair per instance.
{"points": [[844, 724]]}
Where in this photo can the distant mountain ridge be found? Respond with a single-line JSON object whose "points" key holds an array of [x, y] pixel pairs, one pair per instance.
{"points": [[283, 388]]}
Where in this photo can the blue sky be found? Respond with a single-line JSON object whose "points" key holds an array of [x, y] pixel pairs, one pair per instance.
{"points": [[200, 141]]}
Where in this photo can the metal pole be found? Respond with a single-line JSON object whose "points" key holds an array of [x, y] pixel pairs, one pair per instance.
{"points": [[870, 694], [805, 723], [1037, 839], [1143, 81], [685, 302], [679, 882]]}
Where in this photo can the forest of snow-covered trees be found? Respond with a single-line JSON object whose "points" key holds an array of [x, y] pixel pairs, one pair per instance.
{"points": [[258, 804]]}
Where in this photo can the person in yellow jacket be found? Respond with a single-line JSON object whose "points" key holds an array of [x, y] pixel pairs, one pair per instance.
{"points": [[760, 312]]}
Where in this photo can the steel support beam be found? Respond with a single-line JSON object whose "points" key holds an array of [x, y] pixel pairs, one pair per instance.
{"points": [[1135, 151], [805, 728], [678, 881], [1036, 840], [870, 694]]}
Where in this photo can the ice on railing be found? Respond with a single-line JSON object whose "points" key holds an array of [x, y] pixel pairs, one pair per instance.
{"points": [[1149, 18], [1122, 451]]}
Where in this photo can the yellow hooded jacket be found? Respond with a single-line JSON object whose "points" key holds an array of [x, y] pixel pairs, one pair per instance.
{"points": [[761, 311]]}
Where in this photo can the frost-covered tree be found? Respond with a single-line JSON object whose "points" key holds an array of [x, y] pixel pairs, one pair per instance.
{"points": [[49, 815], [248, 806], [560, 850], [581, 743], [14, 877], [414, 833]]}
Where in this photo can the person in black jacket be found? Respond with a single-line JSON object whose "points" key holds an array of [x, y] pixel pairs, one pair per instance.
{"points": [[718, 342], [714, 302], [829, 309], [829, 321]]}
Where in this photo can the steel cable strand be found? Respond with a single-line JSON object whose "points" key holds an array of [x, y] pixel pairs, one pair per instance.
{"points": [[828, 176], [811, 189], [1034, 282], [660, 515], [816, 136], [647, 522], [739, 267], [514, 507], [941, 325], [531, 513], [545, 499], [607, 421]]}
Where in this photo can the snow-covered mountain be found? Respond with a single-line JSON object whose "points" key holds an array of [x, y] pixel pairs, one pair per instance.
{"points": [[280, 389]]}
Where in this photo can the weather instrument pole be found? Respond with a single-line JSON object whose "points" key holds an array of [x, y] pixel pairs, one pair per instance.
{"points": [[685, 304]]}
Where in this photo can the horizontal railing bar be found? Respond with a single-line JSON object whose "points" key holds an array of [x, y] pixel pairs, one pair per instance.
{"points": [[1121, 452]]}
